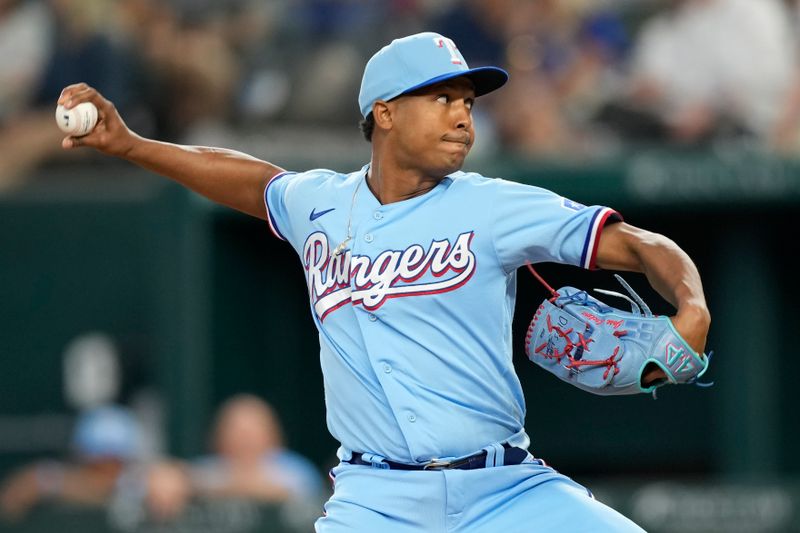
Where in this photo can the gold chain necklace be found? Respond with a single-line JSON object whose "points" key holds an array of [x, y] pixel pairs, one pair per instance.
{"points": [[340, 248]]}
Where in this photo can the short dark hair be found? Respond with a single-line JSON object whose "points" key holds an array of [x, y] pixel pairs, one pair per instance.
{"points": [[367, 126]]}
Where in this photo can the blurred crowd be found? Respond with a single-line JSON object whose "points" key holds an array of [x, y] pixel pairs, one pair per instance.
{"points": [[587, 76], [117, 461], [109, 469]]}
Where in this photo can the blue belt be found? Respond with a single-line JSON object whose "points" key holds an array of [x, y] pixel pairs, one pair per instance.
{"points": [[511, 456]]}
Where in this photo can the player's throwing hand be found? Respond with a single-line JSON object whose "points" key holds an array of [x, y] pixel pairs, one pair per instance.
{"points": [[111, 136]]}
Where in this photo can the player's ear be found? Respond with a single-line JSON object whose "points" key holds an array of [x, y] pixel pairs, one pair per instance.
{"points": [[382, 113]]}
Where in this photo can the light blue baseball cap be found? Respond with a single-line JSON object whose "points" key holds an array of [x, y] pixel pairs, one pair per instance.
{"points": [[416, 61], [106, 432]]}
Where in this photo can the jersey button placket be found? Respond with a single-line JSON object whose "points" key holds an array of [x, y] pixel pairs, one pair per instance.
{"points": [[368, 238]]}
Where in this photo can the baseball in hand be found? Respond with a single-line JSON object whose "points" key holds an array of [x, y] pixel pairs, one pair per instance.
{"points": [[78, 121]]}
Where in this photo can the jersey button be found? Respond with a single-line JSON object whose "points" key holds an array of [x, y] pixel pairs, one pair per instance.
{"points": [[387, 368], [368, 237], [372, 318], [412, 417], [377, 215]]}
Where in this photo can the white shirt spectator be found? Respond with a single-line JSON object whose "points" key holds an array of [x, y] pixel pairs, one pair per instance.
{"points": [[26, 32], [735, 57]]}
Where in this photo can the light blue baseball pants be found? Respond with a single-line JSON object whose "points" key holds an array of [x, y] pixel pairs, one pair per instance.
{"points": [[525, 498]]}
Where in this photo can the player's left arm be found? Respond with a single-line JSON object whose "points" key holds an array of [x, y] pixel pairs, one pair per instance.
{"points": [[669, 270]]}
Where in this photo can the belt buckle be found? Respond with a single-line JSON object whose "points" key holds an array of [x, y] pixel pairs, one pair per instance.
{"points": [[437, 464]]}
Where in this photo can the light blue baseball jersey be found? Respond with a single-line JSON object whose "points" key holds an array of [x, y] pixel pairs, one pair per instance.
{"points": [[414, 316]]}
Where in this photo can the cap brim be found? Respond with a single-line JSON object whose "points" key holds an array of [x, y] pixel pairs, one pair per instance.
{"points": [[485, 79]]}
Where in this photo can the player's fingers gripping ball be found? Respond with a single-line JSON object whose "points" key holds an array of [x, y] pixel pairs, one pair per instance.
{"points": [[77, 121], [605, 350]]}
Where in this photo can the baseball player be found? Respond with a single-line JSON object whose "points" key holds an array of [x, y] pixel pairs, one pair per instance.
{"points": [[410, 265]]}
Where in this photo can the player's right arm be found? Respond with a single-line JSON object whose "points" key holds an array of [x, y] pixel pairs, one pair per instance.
{"points": [[228, 177]]}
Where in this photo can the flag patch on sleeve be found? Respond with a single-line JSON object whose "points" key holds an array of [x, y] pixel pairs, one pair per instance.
{"points": [[569, 204]]}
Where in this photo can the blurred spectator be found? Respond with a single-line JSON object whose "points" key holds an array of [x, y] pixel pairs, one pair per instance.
{"points": [[326, 20], [326, 69], [250, 459], [60, 42], [25, 45], [706, 69], [565, 60], [105, 444], [192, 67], [480, 27], [168, 71], [786, 136], [167, 490], [265, 44], [83, 51], [249, 462], [156, 493]]}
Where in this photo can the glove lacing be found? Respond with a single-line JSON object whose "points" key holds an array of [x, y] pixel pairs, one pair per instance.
{"points": [[580, 346]]}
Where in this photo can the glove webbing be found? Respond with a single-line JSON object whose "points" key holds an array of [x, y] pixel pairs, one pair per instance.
{"points": [[582, 347], [582, 344]]}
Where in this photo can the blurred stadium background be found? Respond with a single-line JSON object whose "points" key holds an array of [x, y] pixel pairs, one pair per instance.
{"points": [[117, 286]]}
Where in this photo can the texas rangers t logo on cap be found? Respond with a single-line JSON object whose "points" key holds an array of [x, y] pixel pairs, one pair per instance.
{"points": [[416, 61], [455, 56]]}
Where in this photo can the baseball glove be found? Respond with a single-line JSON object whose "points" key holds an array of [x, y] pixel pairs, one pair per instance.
{"points": [[604, 350]]}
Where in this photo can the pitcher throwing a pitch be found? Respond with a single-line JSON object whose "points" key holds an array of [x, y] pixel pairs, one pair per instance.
{"points": [[411, 268]]}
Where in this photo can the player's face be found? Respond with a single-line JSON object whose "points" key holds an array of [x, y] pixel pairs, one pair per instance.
{"points": [[433, 127]]}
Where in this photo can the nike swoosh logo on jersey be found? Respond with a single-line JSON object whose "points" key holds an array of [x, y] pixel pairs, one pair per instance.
{"points": [[315, 216]]}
